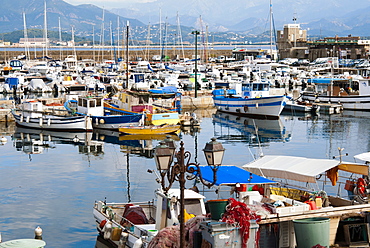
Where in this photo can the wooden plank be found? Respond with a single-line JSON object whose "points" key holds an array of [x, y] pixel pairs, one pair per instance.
{"points": [[323, 212]]}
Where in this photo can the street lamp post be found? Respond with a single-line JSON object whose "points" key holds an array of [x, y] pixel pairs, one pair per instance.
{"points": [[196, 60], [164, 154]]}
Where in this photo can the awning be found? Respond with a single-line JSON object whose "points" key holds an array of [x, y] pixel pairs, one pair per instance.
{"points": [[228, 174], [299, 168], [363, 156]]}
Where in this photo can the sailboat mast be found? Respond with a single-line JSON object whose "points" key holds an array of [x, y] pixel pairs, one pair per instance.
{"points": [[180, 35], [271, 28], [60, 40], [160, 34], [45, 30], [102, 37], [26, 48], [127, 30]]}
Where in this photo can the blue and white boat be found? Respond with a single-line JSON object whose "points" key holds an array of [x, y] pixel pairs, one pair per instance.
{"points": [[254, 100], [93, 106]]}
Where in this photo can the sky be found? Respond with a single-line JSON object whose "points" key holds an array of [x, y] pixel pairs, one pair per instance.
{"points": [[109, 4]]}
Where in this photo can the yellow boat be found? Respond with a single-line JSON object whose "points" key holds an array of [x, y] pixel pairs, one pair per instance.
{"points": [[148, 137], [149, 129]]}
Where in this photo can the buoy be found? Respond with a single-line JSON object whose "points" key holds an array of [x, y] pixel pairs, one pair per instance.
{"points": [[76, 139], [107, 230], [3, 140], [138, 243], [38, 232]]}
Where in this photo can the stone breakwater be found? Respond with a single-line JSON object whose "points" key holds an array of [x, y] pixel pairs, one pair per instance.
{"points": [[99, 55]]}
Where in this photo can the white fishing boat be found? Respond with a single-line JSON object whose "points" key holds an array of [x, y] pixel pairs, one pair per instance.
{"points": [[33, 114], [143, 224], [351, 94], [93, 107], [254, 100]]}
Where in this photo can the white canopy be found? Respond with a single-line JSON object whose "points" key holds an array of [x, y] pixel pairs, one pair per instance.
{"points": [[363, 156], [292, 168]]}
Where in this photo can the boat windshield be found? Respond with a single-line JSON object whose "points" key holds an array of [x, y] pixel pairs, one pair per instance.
{"points": [[260, 87]]}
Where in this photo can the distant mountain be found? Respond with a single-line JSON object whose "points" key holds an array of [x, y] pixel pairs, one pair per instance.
{"points": [[81, 17], [226, 20], [236, 15]]}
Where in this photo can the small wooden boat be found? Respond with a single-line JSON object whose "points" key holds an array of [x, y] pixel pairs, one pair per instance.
{"points": [[148, 137], [32, 114], [149, 129]]}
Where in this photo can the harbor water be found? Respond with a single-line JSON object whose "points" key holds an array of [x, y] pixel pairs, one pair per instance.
{"points": [[52, 180]]}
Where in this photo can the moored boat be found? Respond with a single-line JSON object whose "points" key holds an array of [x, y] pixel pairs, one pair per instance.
{"points": [[93, 107], [351, 94], [31, 114], [164, 129], [254, 100]]}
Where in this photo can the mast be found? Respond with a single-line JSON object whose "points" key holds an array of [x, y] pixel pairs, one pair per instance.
{"points": [[160, 34], [60, 39], [127, 30], [93, 40], [179, 35], [102, 36], [45, 31], [271, 28], [26, 48], [118, 37], [111, 39]]}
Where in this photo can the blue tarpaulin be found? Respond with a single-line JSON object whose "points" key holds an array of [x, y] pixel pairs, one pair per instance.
{"points": [[324, 80], [232, 175]]}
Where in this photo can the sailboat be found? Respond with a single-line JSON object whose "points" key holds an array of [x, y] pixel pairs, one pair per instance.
{"points": [[251, 98]]}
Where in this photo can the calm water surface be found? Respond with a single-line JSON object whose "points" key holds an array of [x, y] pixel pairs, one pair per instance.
{"points": [[54, 184]]}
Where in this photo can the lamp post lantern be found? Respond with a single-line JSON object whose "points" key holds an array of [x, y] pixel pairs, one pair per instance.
{"points": [[196, 32], [176, 172]]}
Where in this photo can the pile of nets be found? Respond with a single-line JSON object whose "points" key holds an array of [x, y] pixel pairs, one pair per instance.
{"points": [[239, 214], [169, 237]]}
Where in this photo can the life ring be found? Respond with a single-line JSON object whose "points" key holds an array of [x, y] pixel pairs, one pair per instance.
{"points": [[245, 108]]}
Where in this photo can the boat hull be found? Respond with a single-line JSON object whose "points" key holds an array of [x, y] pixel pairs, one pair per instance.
{"points": [[150, 130], [264, 107], [114, 122], [55, 123], [348, 102]]}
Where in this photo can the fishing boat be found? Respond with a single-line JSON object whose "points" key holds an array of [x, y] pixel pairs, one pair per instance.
{"points": [[149, 130], [93, 107], [142, 102], [33, 114], [350, 93], [253, 100], [142, 224]]}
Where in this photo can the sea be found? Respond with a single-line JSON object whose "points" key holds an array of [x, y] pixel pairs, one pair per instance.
{"points": [[53, 179]]}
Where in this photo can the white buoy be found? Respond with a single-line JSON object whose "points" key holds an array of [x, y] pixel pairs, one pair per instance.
{"points": [[138, 243], [38, 231], [3, 140], [107, 229], [76, 139]]}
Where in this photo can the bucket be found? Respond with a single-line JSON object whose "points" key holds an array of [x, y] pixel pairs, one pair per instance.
{"points": [[152, 233], [217, 208], [116, 233], [312, 231]]}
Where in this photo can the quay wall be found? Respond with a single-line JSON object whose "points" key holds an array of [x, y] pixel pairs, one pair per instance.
{"points": [[99, 55]]}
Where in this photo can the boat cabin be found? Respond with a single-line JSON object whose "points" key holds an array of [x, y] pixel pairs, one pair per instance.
{"points": [[255, 90], [90, 105]]}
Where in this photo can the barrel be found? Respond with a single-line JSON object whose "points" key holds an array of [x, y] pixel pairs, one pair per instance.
{"points": [[310, 232], [217, 208]]}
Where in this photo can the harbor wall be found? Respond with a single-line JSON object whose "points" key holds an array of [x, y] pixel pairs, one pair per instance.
{"points": [[99, 55]]}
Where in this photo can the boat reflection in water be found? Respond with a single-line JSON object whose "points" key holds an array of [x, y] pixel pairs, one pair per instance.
{"points": [[137, 144], [35, 141], [256, 132]]}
